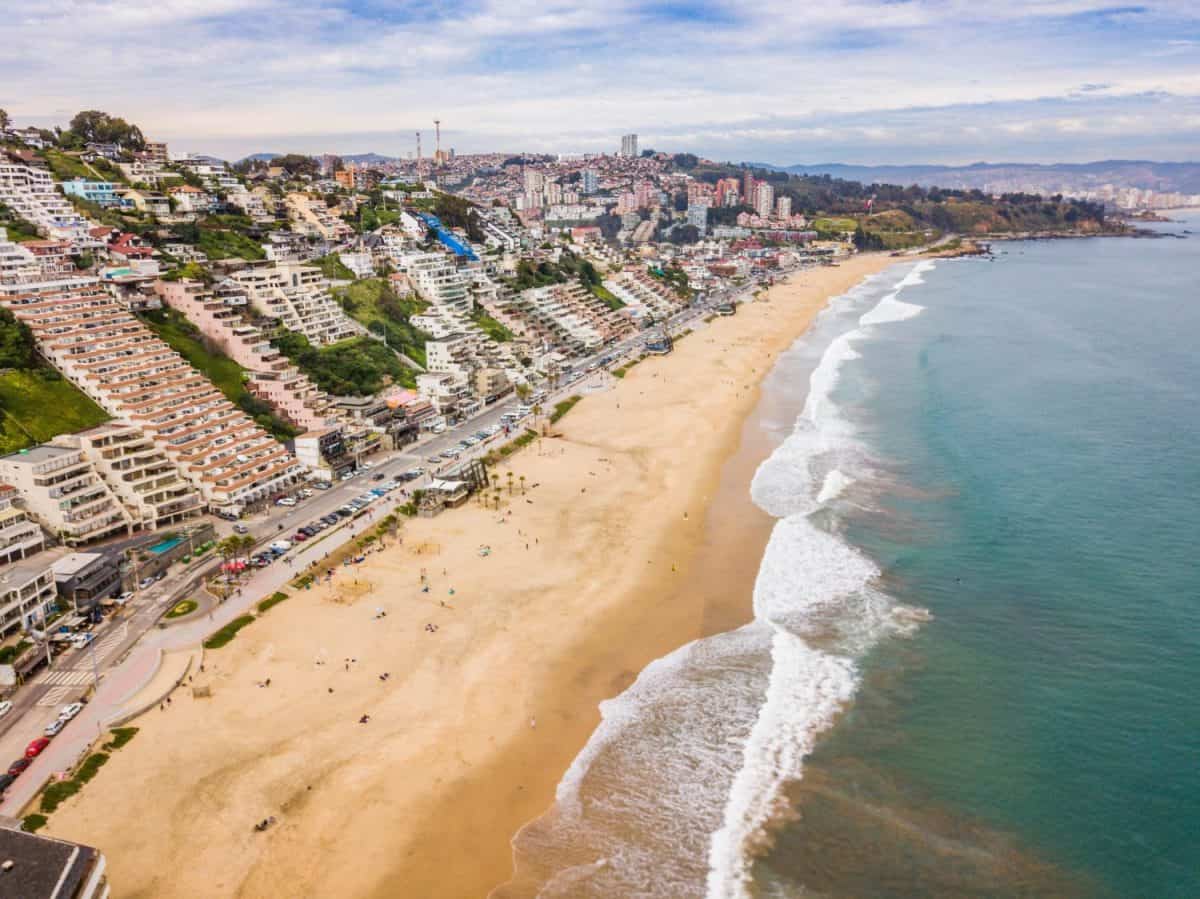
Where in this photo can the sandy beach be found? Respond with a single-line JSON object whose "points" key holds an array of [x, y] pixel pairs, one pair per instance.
{"points": [[605, 559]]}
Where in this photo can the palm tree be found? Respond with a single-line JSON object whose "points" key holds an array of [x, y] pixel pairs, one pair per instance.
{"points": [[497, 495], [510, 481], [522, 480]]}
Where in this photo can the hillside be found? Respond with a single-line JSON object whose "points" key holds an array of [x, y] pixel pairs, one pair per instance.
{"points": [[1165, 177], [36, 402], [373, 303], [927, 212]]}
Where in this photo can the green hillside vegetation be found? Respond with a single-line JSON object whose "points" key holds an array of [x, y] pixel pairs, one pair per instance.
{"points": [[65, 167], [833, 203], [18, 228], [226, 375], [359, 366], [331, 267], [373, 302], [226, 243], [36, 402], [490, 326]]}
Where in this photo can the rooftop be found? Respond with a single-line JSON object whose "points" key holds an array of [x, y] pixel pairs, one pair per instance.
{"points": [[42, 867], [74, 563], [36, 454]]}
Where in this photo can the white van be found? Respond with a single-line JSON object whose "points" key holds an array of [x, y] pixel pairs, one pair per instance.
{"points": [[281, 546]]}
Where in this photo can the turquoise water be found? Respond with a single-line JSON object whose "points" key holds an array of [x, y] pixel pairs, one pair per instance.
{"points": [[1032, 478], [166, 546]]}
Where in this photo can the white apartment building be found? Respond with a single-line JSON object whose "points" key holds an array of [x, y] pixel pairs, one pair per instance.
{"points": [[30, 192], [135, 376], [20, 535], [438, 280], [138, 473], [27, 594], [60, 487], [764, 199], [16, 262], [296, 296], [642, 295]]}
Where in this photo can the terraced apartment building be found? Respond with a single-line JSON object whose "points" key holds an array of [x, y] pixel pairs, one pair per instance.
{"points": [[137, 378], [30, 192], [295, 295], [643, 296], [217, 313]]}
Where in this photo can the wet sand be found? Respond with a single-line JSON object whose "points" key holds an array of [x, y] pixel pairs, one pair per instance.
{"points": [[479, 717]]}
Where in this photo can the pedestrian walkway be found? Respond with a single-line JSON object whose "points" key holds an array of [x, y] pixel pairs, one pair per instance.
{"points": [[64, 676]]}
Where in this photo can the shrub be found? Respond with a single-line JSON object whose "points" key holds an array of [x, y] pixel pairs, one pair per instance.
{"points": [[181, 608], [33, 823], [57, 793], [223, 636], [120, 736], [562, 408], [273, 600]]}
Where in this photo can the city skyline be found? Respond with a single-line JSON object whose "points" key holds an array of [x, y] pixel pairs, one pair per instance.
{"points": [[1069, 81]]}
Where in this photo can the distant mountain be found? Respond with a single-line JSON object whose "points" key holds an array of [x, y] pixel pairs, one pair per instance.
{"points": [[1161, 177], [368, 159], [356, 158]]}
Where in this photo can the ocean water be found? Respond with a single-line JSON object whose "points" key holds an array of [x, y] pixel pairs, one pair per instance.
{"points": [[974, 664]]}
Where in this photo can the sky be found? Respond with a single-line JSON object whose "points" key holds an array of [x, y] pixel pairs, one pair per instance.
{"points": [[778, 81]]}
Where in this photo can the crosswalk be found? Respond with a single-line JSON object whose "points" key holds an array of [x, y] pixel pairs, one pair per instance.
{"points": [[65, 677], [111, 641], [55, 696]]}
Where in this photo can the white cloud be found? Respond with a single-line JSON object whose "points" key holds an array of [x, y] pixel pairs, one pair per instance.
{"points": [[558, 75]]}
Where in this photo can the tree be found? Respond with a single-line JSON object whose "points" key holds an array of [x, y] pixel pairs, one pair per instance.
{"points": [[5, 121], [16, 342], [92, 125]]}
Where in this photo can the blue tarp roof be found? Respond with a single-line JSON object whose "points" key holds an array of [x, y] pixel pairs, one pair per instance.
{"points": [[446, 237]]}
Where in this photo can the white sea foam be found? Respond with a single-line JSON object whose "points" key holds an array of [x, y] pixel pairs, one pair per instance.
{"points": [[715, 729], [815, 590], [835, 482], [806, 691]]}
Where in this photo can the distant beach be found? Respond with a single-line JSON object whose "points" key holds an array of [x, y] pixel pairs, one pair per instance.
{"points": [[606, 562]]}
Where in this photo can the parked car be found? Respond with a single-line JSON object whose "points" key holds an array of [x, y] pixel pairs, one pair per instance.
{"points": [[299, 536], [378, 476], [35, 747], [5, 708], [70, 711], [240, 528], [281, 546], [6, 781], [286, 501], [18, 766], [145, 582], [434, 459], [54, 728], [124, 598], [321, 485], [79, 641]]}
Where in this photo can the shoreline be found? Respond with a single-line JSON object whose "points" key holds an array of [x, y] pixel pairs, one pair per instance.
{"points": [[479, 718]]}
